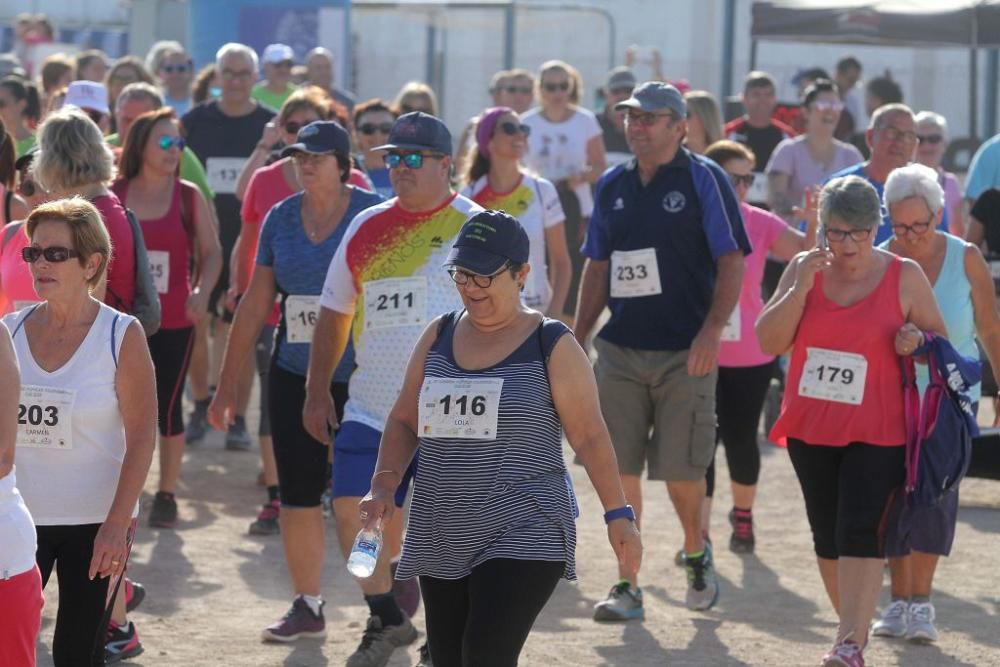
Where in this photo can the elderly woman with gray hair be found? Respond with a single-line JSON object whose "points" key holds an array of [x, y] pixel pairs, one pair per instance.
{"points": [[847, 311], [963, 289], [932, 143]]}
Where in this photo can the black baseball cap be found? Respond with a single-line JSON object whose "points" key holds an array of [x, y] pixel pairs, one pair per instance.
{"points": [[321, 136], [487, 241], [418, 131]]}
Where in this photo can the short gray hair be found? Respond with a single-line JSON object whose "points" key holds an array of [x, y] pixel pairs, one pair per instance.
{"points": [[850, 199], [931, 119], [72, 153], [886, 110], [319, 51], [235, 48], [139, 90], [159, 51], [914, 180]]}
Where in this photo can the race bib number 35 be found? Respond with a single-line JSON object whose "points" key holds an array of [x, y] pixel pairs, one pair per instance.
{"points": [[634, 273], [223, 172], [301, 312], [395, 302], [830, 375], [45, 417], [460, 408]]}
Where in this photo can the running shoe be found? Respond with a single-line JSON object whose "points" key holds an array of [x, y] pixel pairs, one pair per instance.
{"points": [[406, 592], [298, 622], [742, 539], [622, 604], [135, 593], [164, 511], [378, 643], [237, 438], [197, 426], [893, 621], [703, 586], [920, 623], [680, 557], [425, 657], [122, 643], [844, 654], [266, 522]]}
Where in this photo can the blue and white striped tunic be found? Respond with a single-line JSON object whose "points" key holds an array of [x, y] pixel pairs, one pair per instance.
{"points": [[474, 500]]}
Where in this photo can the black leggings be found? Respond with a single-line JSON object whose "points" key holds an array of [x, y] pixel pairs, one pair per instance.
{"points": [[848, 491], [171, 353], [83, 612], [483, 620], [739, 399]]}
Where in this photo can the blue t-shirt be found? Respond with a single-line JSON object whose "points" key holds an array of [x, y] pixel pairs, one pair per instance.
{"points": [[984, 170], [689, 215], [300, 268], [884, 231], [380, 181]]}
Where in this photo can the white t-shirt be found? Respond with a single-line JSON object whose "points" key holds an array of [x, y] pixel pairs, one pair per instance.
{"points": [[18, 541], [70, 434], [388, 273], [557, 150], [536, 205]]}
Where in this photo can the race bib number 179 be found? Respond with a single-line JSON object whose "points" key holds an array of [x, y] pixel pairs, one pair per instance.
{"points": [[831, 375]]}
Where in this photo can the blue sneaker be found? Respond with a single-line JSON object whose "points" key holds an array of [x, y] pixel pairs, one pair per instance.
{"points": [[622, 604]]}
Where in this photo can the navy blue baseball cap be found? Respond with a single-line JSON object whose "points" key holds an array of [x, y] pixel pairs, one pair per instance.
{"points": [[321, 136], [488, 241], [418, 131], [654, 96]]}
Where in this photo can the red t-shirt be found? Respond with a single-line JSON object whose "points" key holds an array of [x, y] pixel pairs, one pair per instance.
{"points": [[121, 269]]}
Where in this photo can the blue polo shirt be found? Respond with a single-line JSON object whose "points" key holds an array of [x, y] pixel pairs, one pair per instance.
{"points": [[884, 231], [690, 216]]}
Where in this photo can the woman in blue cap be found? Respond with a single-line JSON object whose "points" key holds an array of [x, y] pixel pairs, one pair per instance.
{"points": [[487, 393]]}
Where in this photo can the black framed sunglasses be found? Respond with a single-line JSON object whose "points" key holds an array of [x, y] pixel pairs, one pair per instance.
{"points": [[511, 128], [371, 128], [742, 179], [553, 87], [517, 90], [55, 253], [933, 139], [175, 69]]}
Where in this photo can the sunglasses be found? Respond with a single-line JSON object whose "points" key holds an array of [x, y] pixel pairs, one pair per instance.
{"points": [[411, 160], [742, 179], [553, 87], [54, 253], [166, 142], [510, 128], [371, 128], [933, 139], [823, 105], [517, 90], [292, 127], [175, 69]]}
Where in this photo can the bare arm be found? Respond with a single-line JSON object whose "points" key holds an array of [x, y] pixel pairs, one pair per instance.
{"points": [[778, 322], [984, 304], [594, 292], [597, 159], [560, 269], [333, 329], [258, 158], [10, 397], [790, 243], [209, 259], [778, 196], [917, 300]]}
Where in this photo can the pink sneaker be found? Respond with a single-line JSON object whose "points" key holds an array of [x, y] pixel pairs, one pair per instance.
{"points": [[844, 654]]}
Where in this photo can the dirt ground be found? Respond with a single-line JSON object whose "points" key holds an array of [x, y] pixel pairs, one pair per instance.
{"points": [[211, 587]]}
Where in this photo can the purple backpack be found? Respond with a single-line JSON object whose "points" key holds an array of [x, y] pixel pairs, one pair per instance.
{"points": [[940, 429]]}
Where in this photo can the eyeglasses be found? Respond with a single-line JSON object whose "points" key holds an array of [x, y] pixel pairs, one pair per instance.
{"points": [[510, 128], [831, 105], [175, 69], [838, 235], [166, 142], [932, 139], [646, 119], [371, 128], [918, 228], [462, 277], [742, 179], [411, 160], [517, 90], [240, 75], [54, 253], [553, 87], [293, 127], [894, 134], [310, 158]]}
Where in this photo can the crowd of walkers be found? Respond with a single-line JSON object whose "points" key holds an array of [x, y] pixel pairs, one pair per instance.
{"points": [[405, 301]]}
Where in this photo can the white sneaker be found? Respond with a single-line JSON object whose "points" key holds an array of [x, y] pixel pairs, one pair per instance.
{"points": [[893, 622], [920, 623]]}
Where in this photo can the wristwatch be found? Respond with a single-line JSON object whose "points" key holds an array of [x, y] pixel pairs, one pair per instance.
{"points": [[621, 513]]}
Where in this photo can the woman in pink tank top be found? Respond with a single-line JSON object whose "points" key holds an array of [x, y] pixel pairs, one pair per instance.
{"points": [[847, 311]]}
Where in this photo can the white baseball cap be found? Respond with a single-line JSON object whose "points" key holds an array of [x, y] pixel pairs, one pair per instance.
{"points": [[87, 95], [277, 53]]}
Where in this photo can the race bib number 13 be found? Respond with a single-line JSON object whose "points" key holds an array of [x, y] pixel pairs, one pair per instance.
{"points": [[395, 302], [45, 417], [830, 375], [223, 172], [634, 273], [460, 408]]}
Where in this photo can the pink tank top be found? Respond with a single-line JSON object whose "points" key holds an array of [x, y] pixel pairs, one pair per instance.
{"points": [[844, 382], [17, 287]]}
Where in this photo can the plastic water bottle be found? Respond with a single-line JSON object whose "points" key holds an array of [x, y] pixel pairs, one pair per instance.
{"points": [[364, 553]]}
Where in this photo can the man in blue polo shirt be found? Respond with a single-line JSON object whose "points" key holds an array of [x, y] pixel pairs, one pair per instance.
{"points": [[664, 250], [892, 140]]}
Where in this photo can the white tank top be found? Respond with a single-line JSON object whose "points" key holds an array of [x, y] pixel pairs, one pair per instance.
{"points": [[17, 532], [70, 435]]}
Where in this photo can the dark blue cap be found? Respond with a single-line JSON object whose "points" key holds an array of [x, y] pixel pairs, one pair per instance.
{"points": [[321, 136], [487, 241], [418, 131]]}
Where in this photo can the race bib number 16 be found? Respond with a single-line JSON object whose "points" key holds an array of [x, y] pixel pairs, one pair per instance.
{"points": [[831, 375]]}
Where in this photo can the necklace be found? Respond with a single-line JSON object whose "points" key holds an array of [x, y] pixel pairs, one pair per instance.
{"points": [[320, 227]]}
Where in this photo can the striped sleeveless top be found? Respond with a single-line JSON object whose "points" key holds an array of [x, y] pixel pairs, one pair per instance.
{"points": [[510, 497]]}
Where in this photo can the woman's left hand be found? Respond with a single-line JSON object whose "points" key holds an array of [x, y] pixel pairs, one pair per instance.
{"points": [[908, 339], [625, 540], [110, 549], [197, 306]]}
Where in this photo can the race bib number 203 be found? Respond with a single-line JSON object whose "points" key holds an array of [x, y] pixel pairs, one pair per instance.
{"points": [[45, 417]]}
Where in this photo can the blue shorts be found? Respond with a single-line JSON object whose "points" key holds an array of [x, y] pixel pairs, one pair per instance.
{"points": [[355, 451], [929, 530]]}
